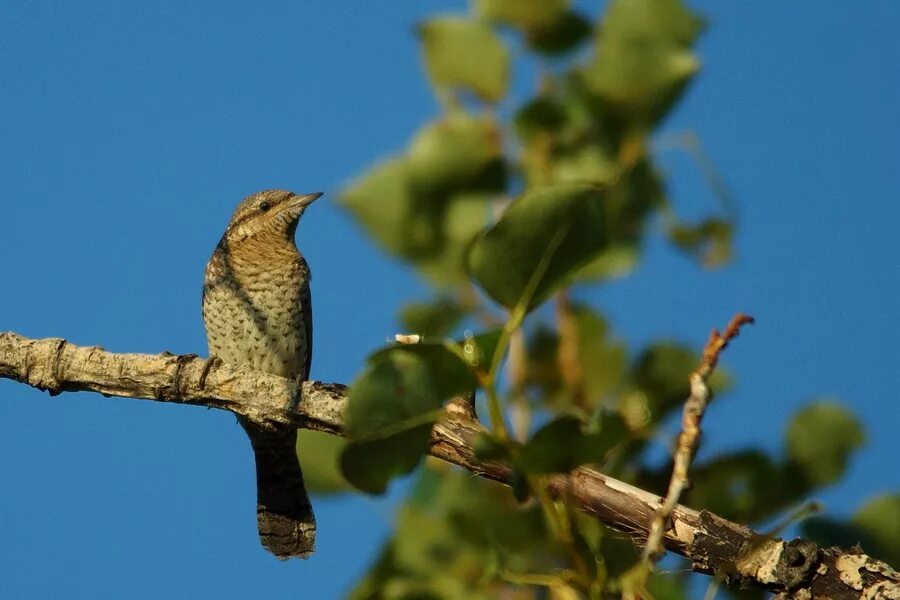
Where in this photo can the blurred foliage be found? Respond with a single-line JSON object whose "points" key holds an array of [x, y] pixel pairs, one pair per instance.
{"points": [[875, 526], [507, 204]]}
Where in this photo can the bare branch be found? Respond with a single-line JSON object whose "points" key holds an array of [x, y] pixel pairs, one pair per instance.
{"points": [[797, 568]]}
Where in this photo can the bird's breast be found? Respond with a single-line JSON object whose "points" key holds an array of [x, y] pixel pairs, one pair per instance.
{"points": [[255, 318]]}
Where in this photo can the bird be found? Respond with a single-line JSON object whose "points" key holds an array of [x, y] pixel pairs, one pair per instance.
{"points": [[257, 311]]}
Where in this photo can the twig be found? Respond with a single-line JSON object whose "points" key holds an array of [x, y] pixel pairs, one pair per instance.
{"points": [[694, 407]]}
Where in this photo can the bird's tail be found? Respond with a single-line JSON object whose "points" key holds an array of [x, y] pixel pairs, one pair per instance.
{"points": [[284, 516]]}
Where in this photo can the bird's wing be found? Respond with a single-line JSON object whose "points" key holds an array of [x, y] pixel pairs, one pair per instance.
{"points": [[306, 309]]}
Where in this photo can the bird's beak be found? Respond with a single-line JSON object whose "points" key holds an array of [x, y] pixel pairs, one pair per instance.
{"points": [[298, 201]]}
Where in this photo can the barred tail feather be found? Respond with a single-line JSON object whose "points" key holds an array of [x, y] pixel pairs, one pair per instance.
{"points": [[287, 526]]}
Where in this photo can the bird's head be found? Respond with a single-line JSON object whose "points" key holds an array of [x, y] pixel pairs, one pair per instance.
{"points": [[269, 214]]}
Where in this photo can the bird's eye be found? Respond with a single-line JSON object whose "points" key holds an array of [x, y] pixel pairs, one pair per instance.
{"points": [[264, 206]]}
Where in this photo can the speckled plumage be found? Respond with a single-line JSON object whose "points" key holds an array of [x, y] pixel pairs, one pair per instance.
{"points": [[257, 312]]}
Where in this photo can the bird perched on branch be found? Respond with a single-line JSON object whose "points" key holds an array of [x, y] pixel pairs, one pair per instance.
{"points": [[258, 313]]}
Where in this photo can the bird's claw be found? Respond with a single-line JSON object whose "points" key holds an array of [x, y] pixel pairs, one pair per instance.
{"points": [[210, 363]]}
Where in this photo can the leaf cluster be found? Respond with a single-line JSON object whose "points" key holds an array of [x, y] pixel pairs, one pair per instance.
{"points": [[508, 206]]}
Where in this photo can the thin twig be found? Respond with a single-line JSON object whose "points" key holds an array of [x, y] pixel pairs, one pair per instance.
{"points": [[694, 407]]}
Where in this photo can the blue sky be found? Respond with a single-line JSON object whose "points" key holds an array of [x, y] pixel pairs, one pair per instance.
{"points": [[130, 130]]}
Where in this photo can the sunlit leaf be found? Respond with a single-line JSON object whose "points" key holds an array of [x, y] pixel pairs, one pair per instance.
{"points": [[505, 259], [643, 56], [433, 230], [523, 14], [382, 202], [586, 164], [821, 439], [460, 53]]}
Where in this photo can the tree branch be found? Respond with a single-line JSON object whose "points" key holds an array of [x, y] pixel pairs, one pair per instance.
{"points": [[797, 569]]}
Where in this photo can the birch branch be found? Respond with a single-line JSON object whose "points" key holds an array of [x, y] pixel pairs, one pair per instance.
{"points": [[796, 569]]}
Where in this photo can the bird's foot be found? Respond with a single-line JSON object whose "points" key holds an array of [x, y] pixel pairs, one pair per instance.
{"points": [[211, 362]]}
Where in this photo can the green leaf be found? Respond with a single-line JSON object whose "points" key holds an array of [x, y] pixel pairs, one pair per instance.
{"points": [[460, 53], [643, 57], [880, 519], [392, 407], [484, 515], [432, 370], [543, 361], [585, 164], [820, 440], [603, 360], [667, 587], [431, 231], [451, 544], [633, 198], [523, 14], [433, 319], [560, 36], [548, 25], [370, 464], [618, 261], [319, 454], [382, 202], [489, 447], [541, 115], [611, 428], [518, 482], [506, 257], [465, 216], [563, 445], [458, 152], [396, 387]]}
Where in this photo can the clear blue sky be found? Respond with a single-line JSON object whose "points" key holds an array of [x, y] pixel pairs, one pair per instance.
{"points": [[128, 131]]}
